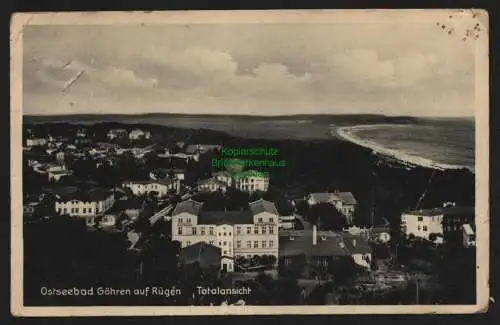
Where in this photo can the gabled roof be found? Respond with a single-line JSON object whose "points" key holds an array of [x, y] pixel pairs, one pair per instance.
{"points": [[211, 181], [262, 205], [301, 242], [322, 197], [201, 252], [468, 229], [225, 217], [345, 197], [189, 206]]}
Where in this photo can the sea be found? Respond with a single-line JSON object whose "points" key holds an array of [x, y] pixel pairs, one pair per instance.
{"points": [[445, 141]]}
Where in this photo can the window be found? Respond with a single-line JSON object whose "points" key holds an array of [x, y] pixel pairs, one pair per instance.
{"points": [[249, 244], [219, 234], [425, 228], [58, 210], [202, 230], [271, 230], [84, 210], [260, 219], [211, 242], [179, 231], [225, 234], [420, 218], [418, 227], [225, 243], [264, 230], [249, 230], [189, 220], [225, 252], [238, 244], [264, 244], [271, 220], [188, 243], [194, 230], [256, 230], [238, 230], [229, 234], [255, 244], [220, 243], [181, 220], [211, 231], [271, 243]]}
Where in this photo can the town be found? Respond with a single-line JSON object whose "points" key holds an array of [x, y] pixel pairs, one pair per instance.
{"points": [[144, 211]]}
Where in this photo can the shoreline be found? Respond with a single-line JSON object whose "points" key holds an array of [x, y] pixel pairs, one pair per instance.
{"points": [[346, 133]]}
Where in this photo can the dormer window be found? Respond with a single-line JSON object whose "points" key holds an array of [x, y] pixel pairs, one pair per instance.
{"points": [[292, 238]]}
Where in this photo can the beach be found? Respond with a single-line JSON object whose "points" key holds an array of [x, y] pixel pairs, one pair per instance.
{"points": [[348, 134]]}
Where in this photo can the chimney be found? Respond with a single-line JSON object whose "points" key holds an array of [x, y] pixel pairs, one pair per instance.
{"points": [[315, 235], [354, 242]]}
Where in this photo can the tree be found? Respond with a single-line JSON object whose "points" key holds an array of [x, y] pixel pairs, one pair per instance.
{"points": [[327, 217]]}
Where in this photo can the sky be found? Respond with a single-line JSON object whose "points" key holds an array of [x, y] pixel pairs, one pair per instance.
{"points": [[413, 69]]}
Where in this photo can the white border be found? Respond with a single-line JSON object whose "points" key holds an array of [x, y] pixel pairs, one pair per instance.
{"points": [[234, 17]]}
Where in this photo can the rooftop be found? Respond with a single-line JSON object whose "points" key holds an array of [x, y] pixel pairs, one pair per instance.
{"points": [[201, 252], [262, 205], [345, 197], [446, 211], [189, 206], [301, 242], [225, 217], [95, 194]]}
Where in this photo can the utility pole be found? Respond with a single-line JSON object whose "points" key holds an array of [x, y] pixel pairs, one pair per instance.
{"points": [[418, 291]]}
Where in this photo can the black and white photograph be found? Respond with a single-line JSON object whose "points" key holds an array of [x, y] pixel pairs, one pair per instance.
{"points": [[249, 162]]}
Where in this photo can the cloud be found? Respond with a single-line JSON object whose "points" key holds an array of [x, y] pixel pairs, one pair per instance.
{"points": [[251, 68]]}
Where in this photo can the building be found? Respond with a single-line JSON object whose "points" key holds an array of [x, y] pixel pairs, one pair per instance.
{"points": [[343, 201], [247, 181], [287, 222], [33, 142], [445, 222], [469, 235], [201, 148], [252, 181], [309, 253], [57, 175], [138, 134], [224, 176], [205, 256], [117, 134], [211, 185], [81, 133], [422, 223], [243, 233], [88, 205], [160, 188], [30, 210], [120, 211], [380, 234]]}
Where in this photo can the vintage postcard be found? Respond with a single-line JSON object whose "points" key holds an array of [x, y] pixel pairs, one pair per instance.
{"points": [[250, 162]]}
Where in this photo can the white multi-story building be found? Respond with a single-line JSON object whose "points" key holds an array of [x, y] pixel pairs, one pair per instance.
{"points": [[88, 204], [247, 181], [117, 134], [32, 142], [237, 233], [422, 223], [162, 187], [211, 185], [139, 134]]}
